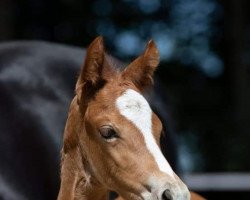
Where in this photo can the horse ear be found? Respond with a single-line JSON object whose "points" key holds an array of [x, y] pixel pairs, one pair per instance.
{"points": [[141, 70], [90, 76]]}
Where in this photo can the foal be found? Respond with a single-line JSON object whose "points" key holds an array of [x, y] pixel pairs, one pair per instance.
{"points": [[111, 139]]}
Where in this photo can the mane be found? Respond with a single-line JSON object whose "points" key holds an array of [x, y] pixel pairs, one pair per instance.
{"points": [[112, 64]]}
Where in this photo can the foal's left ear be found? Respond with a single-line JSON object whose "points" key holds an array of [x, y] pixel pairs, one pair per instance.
{"points": [[141, 70], [91, 74]]}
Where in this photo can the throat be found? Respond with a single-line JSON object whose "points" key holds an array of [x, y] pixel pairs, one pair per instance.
{"points": [[86, 190], [77, 182]]}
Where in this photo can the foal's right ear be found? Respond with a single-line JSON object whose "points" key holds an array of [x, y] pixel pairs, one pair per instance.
{"points": [[141, 70], [91, 73]]}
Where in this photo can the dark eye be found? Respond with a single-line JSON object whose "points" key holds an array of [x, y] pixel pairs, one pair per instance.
{"points": [[108, 133]]}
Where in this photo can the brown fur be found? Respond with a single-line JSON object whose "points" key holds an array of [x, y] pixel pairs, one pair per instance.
{"points": [[150, 59], [91, 165]]}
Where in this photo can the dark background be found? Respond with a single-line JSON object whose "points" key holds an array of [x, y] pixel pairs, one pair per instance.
{"points": [[205, 60]]}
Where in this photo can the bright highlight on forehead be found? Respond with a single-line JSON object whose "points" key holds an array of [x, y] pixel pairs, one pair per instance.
{"points": [[134, 107]]}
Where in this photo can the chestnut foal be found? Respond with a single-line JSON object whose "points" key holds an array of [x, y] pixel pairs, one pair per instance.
{"points": [[111, 139]]}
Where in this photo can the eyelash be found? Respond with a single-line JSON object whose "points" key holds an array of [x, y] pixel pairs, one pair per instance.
{"points": [[108, 133]]}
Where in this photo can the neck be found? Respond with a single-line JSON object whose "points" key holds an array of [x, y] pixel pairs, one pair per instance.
{"points": [[77, 181]]}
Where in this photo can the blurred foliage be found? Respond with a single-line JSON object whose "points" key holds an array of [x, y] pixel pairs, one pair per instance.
{"points": [[200, 43], [127, 25]]}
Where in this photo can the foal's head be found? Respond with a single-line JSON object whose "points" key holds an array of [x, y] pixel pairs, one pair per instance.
{"points": [[119, 133]]}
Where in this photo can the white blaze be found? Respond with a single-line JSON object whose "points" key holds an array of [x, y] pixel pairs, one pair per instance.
{"points": [[135, 108]]}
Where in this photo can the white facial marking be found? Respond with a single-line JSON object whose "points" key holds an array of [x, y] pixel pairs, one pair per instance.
{"points": [[135, 108]]}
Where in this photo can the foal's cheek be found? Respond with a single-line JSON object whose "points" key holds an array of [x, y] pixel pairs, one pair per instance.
{"points": [[157, 128]]}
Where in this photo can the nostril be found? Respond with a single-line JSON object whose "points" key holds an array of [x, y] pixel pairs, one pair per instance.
{"points": [[166, 195]]}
